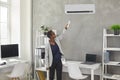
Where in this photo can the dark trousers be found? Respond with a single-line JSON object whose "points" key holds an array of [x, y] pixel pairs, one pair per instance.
{"points": [[58, 68]]}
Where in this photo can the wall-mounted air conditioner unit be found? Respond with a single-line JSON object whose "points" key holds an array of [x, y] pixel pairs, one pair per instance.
{"points": [[80, 8]]}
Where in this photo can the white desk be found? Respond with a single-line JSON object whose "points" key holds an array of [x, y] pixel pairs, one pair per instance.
{"points": [[10, 63], [8, 67], [92, 67]]}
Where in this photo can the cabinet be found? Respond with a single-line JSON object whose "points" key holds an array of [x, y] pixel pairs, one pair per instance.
{"points": [[108, 50], [39, 56], [41, 41]]}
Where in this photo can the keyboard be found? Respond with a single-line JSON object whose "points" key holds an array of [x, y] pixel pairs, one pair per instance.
{"points": [[13, 60], [89, 63]]}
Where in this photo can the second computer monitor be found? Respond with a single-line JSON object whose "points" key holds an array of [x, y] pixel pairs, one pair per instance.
{"points": [[91, 57]]}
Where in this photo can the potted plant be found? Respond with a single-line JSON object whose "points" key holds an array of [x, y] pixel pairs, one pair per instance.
{"points": [[44, 29], [116, 29]]}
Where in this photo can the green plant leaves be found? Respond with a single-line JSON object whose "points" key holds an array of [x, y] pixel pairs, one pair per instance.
{"points": [[115, 27]]}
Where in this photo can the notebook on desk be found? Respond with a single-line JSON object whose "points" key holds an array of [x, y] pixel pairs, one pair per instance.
{"points": [[90, 59]]}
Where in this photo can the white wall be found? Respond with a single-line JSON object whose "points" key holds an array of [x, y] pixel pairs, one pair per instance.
{"points": [[25, 29]]}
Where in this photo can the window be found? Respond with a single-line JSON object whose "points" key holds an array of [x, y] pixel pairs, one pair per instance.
{"points": [[3, 0], [4, 28]]}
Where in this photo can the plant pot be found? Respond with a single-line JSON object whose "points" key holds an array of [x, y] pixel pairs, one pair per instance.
{"points": [[116, 32], [45, 33]]}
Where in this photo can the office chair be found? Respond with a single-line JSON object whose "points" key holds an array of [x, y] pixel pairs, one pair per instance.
{"points": [[75, 72], [19, 71]]}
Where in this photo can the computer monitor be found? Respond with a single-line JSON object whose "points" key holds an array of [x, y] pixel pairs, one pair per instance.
{"points": [[91, 57], [9, 50]]}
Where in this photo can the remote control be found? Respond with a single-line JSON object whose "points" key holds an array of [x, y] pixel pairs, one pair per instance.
{"points": [[68, 24]]}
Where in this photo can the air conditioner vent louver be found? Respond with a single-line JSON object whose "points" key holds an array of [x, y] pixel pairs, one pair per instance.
{"points": [[79, 11]]}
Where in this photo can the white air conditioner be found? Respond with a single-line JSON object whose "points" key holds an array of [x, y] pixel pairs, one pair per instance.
{"points": [[80, 8]]}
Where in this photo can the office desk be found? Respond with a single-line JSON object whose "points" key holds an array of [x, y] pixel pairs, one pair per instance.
{"points": [[10, 64], [92, 67], [7, 68]]}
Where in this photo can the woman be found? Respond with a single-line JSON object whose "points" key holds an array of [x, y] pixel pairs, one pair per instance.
{"points": [[53, 53]]}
